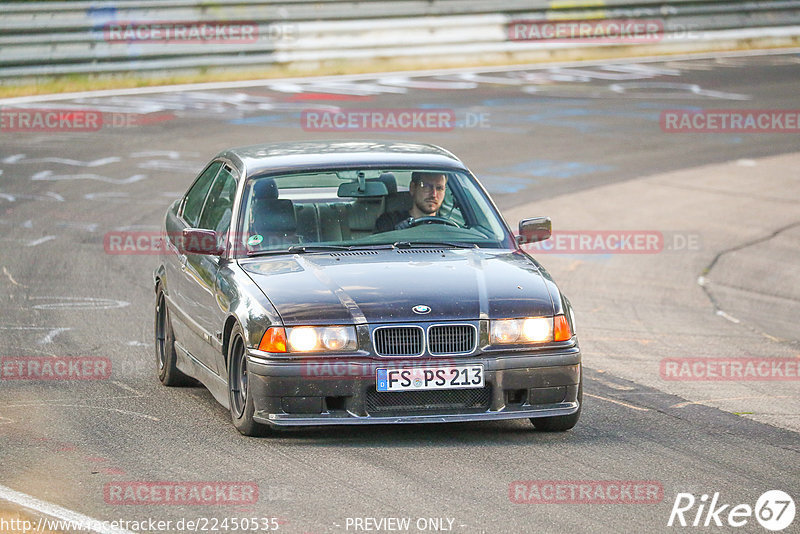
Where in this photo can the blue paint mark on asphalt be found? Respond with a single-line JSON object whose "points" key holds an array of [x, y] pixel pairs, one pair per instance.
{"points": [[548, 168], [505, 184], [275, 120], [667, 105], [517, 177]]}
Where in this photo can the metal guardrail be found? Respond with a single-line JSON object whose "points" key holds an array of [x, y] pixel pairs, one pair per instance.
{"points": [[59, 38]]}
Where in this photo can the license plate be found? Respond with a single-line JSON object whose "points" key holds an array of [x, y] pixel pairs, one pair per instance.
{"points": [[417, 378]]}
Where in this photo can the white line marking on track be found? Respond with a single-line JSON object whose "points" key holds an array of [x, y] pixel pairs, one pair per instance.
{"points": [[127, 388], [374, 75], [59, 512], [11, 278], [51, 335], [22, 158], [729, 317], [49, 176], [80, 303], [631, 406], [41, 240]]}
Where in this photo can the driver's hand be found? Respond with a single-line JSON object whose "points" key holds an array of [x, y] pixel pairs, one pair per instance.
{"points": [[405, 223]]}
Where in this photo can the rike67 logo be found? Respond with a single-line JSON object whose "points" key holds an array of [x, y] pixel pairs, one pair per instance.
{"points": [[774, 510]]}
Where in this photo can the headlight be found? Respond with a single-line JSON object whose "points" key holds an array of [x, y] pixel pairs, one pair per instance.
{"points": [[528, 330], [309, 339], [321, 338]]}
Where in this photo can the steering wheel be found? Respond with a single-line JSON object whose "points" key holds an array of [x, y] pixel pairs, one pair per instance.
{"points": [[433, 219]]}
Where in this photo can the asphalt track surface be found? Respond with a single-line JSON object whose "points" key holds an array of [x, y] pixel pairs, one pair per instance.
{"points": [[581, 142]]}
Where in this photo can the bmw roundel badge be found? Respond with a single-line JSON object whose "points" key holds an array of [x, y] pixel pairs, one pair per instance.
{"points": [[421, 309]]}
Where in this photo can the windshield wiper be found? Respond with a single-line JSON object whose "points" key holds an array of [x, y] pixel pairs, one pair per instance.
{"points": [[434, 244], [299, 249], [302, 249]]}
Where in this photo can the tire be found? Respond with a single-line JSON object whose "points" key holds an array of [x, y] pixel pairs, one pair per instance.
{"points": [[166, 357], [239, 394], [560, 423]]}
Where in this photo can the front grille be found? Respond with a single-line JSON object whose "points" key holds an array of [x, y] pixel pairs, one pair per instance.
{"points": [[399, 341], [451, 339], [428, 402]]}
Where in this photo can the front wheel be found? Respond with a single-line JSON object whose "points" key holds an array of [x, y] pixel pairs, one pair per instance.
{"points": [[560, 423], [240, 396]]}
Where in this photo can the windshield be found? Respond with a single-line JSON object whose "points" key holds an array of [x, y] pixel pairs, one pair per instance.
{"points": [[349, 209]]}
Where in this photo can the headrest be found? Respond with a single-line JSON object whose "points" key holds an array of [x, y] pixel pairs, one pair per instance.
{"points": [[265, 188], [389, 180], [398, 202], [271, 215]]}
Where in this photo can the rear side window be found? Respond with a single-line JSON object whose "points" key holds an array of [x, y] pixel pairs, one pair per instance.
{"points": [[197, 194]]}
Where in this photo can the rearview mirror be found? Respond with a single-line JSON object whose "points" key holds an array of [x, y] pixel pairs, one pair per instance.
{"points": [[362, 188], [534, 230], [199, 241]]}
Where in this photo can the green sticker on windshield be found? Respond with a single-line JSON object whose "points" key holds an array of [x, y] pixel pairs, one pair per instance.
{"points": [[255, 240]]}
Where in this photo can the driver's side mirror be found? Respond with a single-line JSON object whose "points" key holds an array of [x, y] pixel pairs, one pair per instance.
{"points": [[200, 241], [534, 230]]}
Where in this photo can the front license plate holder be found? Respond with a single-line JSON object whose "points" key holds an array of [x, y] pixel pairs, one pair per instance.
{"points": [[430, 378]]}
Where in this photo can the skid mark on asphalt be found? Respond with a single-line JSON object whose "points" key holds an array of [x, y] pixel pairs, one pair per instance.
{"points": [[689, 403], [90, 407]]}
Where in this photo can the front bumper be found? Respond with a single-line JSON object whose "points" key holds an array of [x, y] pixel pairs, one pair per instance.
{"points": [[335, 391]]}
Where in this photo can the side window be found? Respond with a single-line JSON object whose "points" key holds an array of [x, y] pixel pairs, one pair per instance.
{"points": [[194, 199], [219, 204]]}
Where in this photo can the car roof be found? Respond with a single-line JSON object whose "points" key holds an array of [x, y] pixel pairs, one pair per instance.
{"points": [[314, 155]]}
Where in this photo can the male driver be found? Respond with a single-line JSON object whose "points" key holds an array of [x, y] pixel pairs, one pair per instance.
{"points": [[427, 194]]}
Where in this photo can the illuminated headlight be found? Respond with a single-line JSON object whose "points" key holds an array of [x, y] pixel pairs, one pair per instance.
{"points": [[321, 338], [528, 330]]}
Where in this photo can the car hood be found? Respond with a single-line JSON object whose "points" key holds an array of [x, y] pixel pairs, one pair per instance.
{"points": [[384, 286]]}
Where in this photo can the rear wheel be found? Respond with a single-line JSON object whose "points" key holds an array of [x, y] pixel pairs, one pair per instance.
{"points": [[560, 423], [240, 396], [166, 357]]}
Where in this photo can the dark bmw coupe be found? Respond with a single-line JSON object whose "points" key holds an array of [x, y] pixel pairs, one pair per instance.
{"points": [[328, 283]]}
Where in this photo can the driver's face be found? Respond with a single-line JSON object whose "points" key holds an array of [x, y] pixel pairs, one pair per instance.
{"points": [[428, 195]]}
